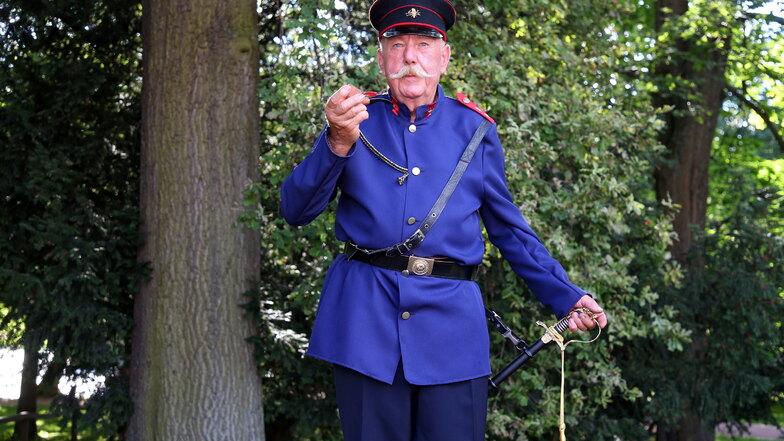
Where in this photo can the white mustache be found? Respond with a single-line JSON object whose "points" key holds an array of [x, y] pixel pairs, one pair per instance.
{"points": [[410, 70]]}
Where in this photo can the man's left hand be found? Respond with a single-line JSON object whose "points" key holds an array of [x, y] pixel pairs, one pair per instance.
{"points": [[582, 321]]}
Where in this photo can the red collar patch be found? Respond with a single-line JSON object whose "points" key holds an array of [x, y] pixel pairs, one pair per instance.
{"points": [[395, 106], [430, 109]]}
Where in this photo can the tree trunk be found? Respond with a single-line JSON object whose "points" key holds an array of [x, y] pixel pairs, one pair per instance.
{"points": [[28, 393], [48, 387], [689, 134], [194, 376], [690, 427], [688, 137]]}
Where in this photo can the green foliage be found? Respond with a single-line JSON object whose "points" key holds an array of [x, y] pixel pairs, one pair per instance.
{"points": [[70, 150], [48, 429], [569, 86], [743, 285], [724, 302], [733, 287], [315, 51], [579, 156], [755, 71], [579, 153], [734, 366]]}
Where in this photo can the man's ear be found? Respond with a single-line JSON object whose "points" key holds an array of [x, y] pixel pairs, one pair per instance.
{"points": [[446, 55]]}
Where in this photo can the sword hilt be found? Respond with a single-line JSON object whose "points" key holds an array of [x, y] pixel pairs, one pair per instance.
{"points": [[529, 351]]}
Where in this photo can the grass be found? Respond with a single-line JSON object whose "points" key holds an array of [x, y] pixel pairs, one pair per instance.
{"points": [[778, 413], [48, 429], [727, 438]]}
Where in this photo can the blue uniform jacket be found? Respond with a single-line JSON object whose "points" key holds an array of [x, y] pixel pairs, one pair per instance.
{"points": [[360, 322]]}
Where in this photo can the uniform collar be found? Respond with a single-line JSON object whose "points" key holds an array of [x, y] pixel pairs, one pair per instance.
{"points": [[422, 112]]}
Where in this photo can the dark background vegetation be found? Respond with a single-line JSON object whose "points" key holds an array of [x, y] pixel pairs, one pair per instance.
{"points": [[603, 108]]}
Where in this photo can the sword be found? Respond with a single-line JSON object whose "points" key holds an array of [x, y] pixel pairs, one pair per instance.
{"points": [[552, 333]]}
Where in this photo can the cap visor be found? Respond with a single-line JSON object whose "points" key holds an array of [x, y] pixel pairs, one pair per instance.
{"points": [[412, 30]]}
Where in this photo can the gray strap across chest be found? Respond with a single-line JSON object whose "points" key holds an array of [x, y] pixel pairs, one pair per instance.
{"points": [[432, 216]]}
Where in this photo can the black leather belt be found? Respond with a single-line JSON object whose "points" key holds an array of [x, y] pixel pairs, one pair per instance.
{"points": [[408, 265]]}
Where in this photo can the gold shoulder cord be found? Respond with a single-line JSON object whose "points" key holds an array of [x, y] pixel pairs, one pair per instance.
{"points": [[553, 335]]}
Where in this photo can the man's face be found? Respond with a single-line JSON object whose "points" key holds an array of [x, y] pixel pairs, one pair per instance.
{"points": [[421, 55]]}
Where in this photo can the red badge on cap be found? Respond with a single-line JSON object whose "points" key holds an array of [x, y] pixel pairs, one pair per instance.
{"points": [[472, 105]]}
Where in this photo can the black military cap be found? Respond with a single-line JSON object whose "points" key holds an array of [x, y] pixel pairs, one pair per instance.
{"points": [[423, 17]]}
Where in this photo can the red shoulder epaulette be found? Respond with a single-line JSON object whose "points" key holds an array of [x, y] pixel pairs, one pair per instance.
{"points": [[370, 94], [464, 100]]}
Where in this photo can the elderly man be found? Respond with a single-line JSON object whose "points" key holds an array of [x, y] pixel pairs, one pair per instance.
{"points": [[399, 316]]}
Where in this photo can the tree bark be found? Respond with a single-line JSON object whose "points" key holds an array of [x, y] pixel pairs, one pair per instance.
{"points": [[689, 134], [48, 387], [28, 394], [690, 427], [684, 179], [193, 375]]}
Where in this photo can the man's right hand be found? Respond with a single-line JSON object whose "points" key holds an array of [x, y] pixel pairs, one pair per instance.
{"points": [[345, 109]]}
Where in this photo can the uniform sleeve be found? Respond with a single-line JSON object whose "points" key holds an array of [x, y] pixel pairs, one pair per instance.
{"points": [[313, 183], [518, 243]]}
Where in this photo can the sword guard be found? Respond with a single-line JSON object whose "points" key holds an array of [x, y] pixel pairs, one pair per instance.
{"points": [[555, 332]]}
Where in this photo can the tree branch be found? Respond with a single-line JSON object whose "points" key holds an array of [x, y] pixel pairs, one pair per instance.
{"points": [[770, 18], [757, 107], [770, 73]]}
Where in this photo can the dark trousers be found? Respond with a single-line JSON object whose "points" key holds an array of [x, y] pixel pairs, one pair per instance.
{"points": [[371, 410]]}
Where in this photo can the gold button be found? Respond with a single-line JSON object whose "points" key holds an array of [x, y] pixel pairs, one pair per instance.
{"points": [[406, 315], [412, 128], [411, 221], [416, 171]]}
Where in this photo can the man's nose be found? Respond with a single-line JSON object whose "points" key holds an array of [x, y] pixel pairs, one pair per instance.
{"points": [[409, 54]]}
